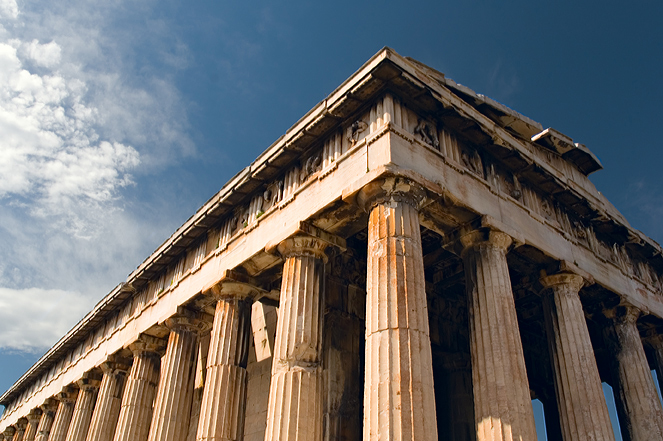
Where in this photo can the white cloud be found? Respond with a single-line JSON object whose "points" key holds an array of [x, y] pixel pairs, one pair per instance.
{"points": [[80, 120], [8, 9], [51, 314], [45, 55], [51, 152]]}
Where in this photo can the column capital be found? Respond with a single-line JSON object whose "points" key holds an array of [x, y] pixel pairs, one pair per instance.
{"points": [[147, 343], [306, 240], [234, 285], [623, 314], [115, 365], [484, 230], [562, 272], [89, 381], [34, 416], [391, 189], [188, 320], [50, 406], [67, 395], [574, 281], [10, 431]]}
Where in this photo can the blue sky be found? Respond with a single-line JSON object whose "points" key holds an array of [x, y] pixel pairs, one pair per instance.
{"points": [[119, 118]]}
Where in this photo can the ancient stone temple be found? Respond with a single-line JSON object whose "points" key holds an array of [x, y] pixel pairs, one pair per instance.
{"points": [[410, 261]]}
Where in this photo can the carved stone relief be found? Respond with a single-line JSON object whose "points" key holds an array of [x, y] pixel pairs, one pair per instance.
{"points": [[310, 166], [517, 191], [473, 162], [427, 133], [355, 130]]}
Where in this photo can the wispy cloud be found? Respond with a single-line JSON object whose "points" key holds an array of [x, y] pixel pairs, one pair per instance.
{"points": [[51, 313], [81, 121], [502, 81]]}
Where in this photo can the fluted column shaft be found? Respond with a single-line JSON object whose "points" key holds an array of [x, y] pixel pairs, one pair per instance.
{"points": [[109, 402], [502, 403], [63, 416], [141, 384], [399, 399], [172, 406], [33, 421], [46, 421], [80, 421], [224, 396], [20, 430], [582, 408], [295, 393], [638, 405]]}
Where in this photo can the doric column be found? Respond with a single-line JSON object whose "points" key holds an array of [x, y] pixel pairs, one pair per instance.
{"points": [[87, 396], [502, 403], [198, 384], [638, 405], [33, 421], [21, 425], [48, 410], [63, 415], [136, 411], [109, 400], [224, 396], [295, 393], [583, 412], [172, 406], [399, 398]]}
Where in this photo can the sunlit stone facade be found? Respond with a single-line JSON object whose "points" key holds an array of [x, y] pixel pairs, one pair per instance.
{"points": [[410, 261]]}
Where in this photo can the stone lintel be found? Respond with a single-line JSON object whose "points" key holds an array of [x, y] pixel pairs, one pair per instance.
{"points": [[482, 229]]}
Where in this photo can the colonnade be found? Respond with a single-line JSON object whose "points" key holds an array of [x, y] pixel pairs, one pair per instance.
{"points": [[150, 397]]}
